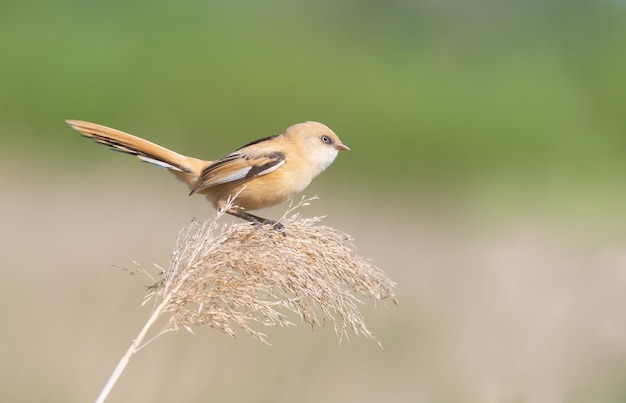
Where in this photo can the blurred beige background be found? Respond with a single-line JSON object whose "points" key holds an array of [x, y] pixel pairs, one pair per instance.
{"points": [[485, 178]]}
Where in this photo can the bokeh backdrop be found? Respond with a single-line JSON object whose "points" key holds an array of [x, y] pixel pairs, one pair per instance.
{"points": [[486, 177]]}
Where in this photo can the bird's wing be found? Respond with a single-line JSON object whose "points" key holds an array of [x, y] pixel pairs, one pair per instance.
{"points": [[239, 166]]}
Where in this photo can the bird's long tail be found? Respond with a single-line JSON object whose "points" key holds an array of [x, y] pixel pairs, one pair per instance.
{"points": [[185, 168]]}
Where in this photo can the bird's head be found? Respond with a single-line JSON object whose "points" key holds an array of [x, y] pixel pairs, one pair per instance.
{"points": [[316, 142]]}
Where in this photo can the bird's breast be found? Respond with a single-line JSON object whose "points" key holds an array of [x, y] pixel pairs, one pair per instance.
{"points": [[261, 191]]}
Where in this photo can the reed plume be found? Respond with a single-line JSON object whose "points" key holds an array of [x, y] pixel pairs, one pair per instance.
{"points": [[245, 276]]}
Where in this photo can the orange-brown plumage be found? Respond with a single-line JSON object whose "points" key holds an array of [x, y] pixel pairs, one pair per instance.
{"points": [[263, 173]]}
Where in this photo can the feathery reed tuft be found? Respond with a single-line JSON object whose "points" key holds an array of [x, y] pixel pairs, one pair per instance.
{"points": [[243, 275]]}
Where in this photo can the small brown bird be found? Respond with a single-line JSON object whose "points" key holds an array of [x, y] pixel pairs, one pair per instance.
{"points": [[260, 174]]}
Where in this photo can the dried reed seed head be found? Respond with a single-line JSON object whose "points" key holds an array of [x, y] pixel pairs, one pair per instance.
{"points": [[245, 274]]}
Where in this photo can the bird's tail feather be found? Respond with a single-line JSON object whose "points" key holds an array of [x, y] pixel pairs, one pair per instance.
{"points": [[180, 165]]}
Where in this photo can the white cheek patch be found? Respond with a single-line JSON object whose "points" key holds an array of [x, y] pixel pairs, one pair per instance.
{"points": [[329, 158]]}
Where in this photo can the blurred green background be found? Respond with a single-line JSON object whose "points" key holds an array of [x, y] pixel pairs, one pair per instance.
{"points": [[514, 95], [486, 176]]}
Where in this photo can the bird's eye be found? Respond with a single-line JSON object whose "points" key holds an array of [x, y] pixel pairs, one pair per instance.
{"points": [[326, 139]]}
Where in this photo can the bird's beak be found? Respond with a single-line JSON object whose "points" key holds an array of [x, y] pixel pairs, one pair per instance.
{"points": [[341, 146]]}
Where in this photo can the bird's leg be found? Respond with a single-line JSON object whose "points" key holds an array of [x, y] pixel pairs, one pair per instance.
{"points": [[253, 218]]}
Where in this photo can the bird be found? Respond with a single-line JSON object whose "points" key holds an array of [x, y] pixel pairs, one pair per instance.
{"points": [[262, 173]]}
